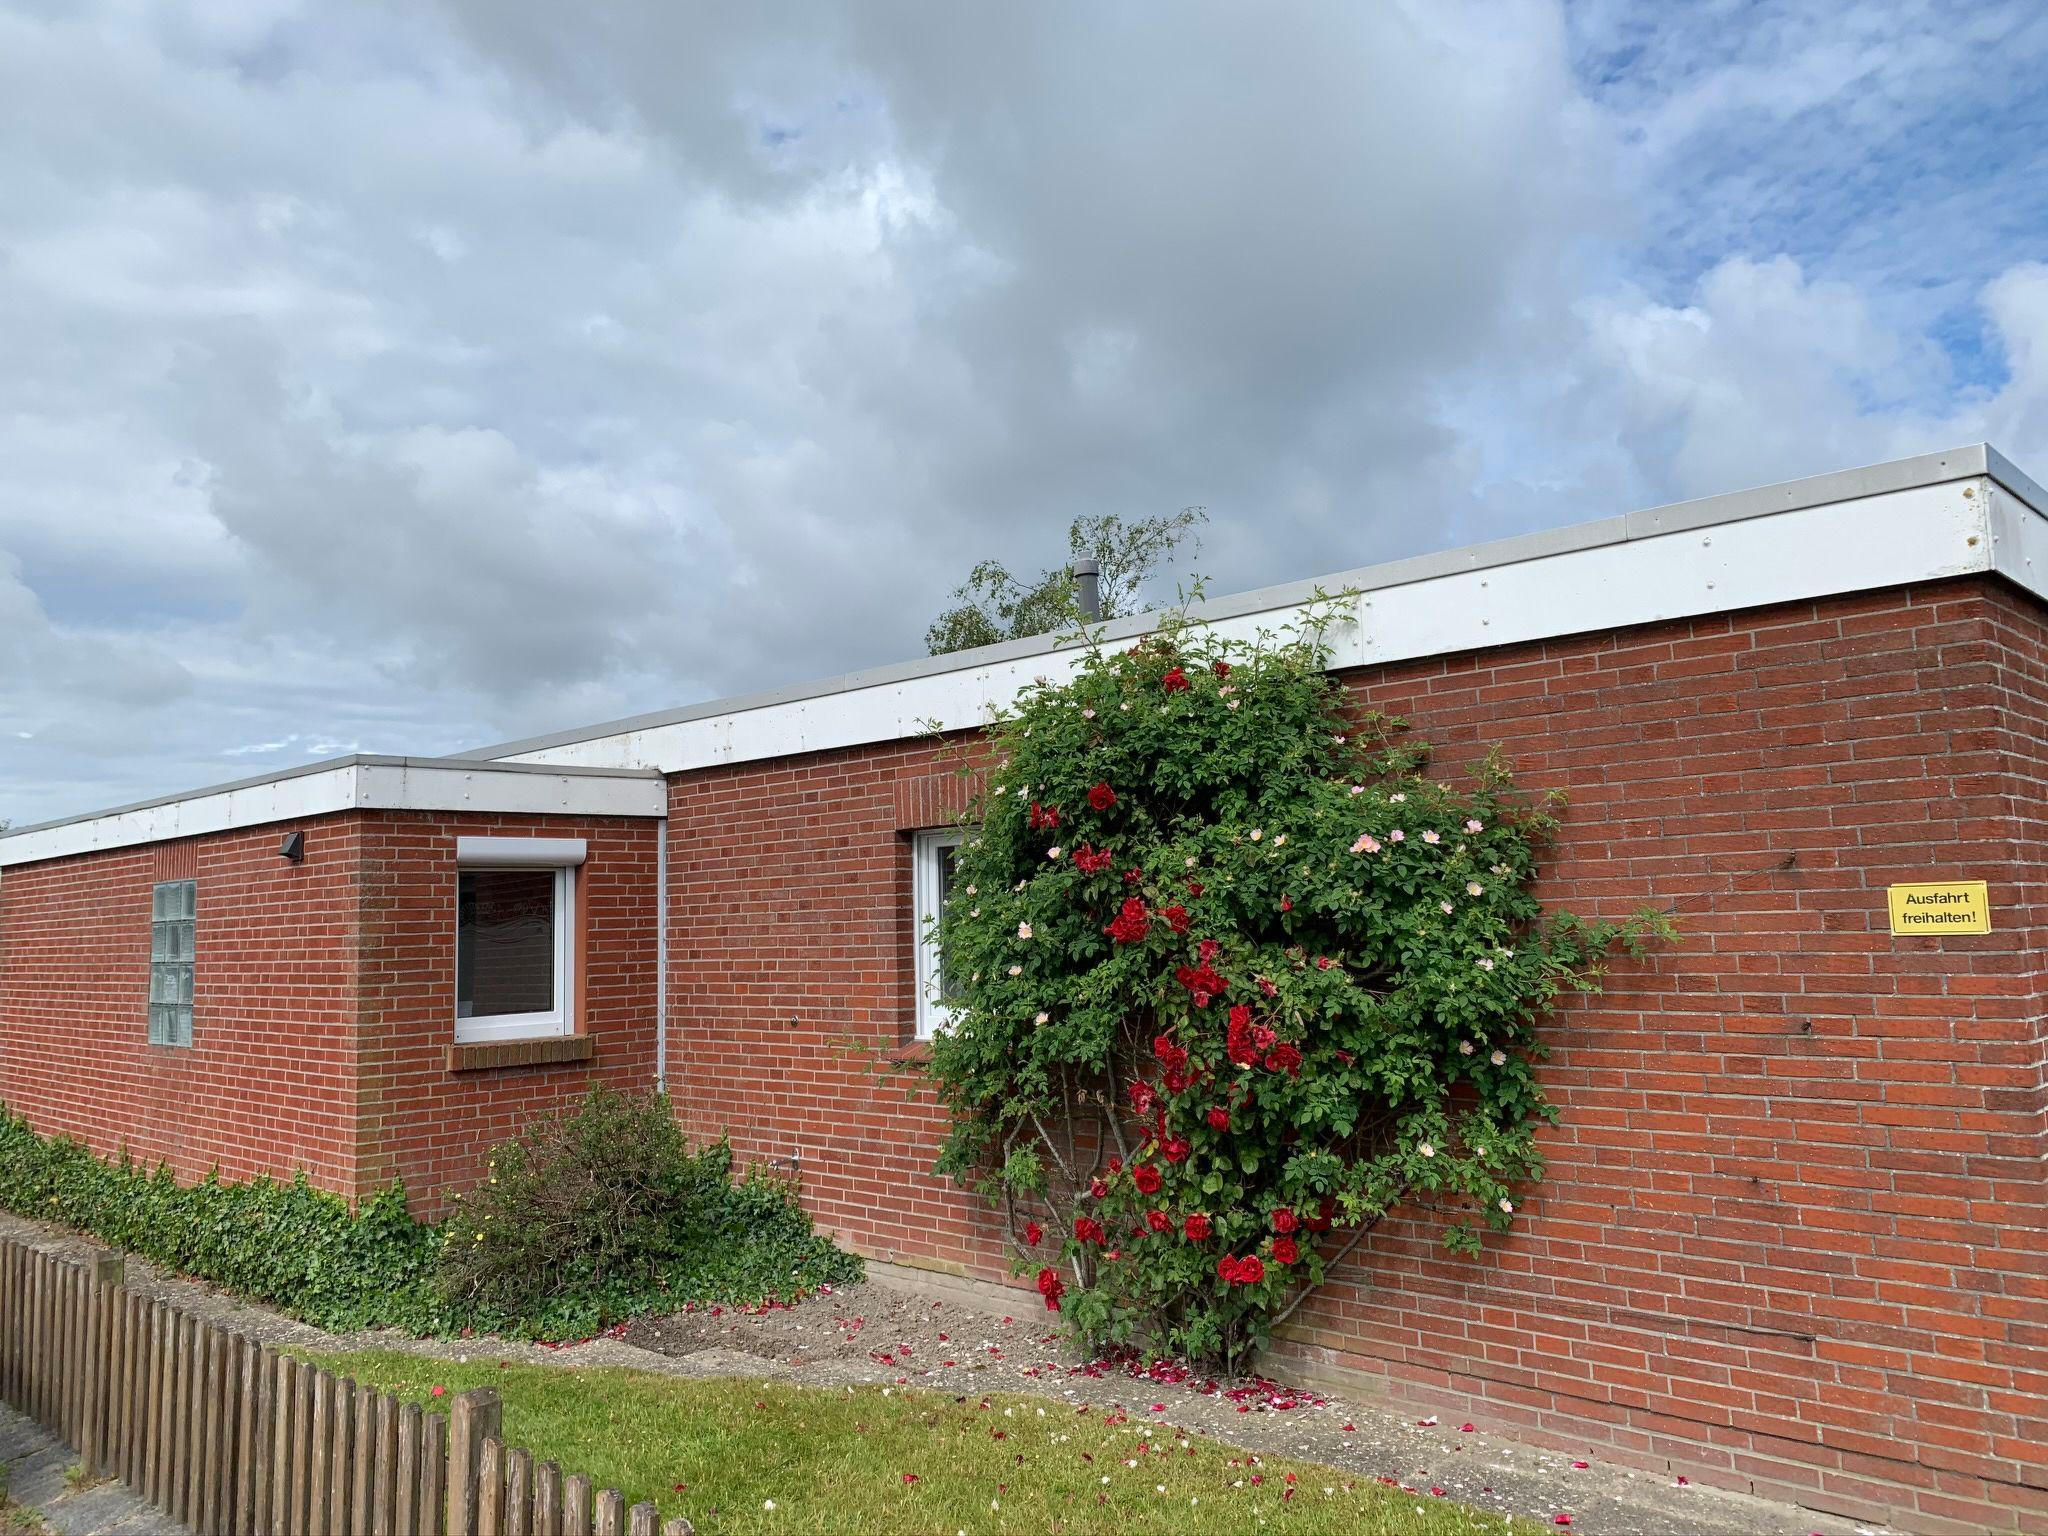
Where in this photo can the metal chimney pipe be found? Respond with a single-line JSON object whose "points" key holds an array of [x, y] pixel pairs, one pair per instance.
{"points": [[1088, 589]]}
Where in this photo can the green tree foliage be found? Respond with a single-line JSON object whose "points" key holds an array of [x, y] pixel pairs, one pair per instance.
{"points": [[993, 604], [1238, 978]]}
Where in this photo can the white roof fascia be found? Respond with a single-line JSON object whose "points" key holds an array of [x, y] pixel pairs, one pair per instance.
{"points": [[356, 783], [1910, 521]]}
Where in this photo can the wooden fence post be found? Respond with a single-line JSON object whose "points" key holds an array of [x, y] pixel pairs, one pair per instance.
{"points": [[547, 1499], [576, 1505], [611, 1513], [319, 1431], [261, 1446], [643, 1520], [433, 1474], [342, 1480], [405, 1505], [384, 1511], [362, 1495], [476, 1417], [490, 1488], [678, 1525], [519, 1493]]}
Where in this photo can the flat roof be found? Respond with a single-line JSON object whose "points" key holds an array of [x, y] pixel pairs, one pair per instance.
{"points": [[1971, 461], [358, 781], [1965, 511]]}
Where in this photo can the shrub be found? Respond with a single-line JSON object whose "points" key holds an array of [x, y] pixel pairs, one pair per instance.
{"points": [[1236, 979], [593, 1215], [290, 1244]]}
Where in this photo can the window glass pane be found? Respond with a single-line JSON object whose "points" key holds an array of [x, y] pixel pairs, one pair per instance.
{"points": [[949, 980], [504, 942]]}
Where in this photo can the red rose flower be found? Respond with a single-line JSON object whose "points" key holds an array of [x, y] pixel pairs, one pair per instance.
{"points": [[1249, 1270], [1268, 988], [1044, 815], [1323, 962], [1032, 1233], [1116, 1166], [1142, 1095], [1175, 680], [1159, 1221], [1096, 1188], [1219, 1119], [1177, 1082], [1220, 668], [1286, 903], [1131, 924], [1285, 1220], [1090, 862], [1202, 981], [1133, 876], [1088, 1230], [1207, 950], [1147, 1179], [1169, 1054], [1194, 887], [1175, 1149], [1285, 1251], [1226, 1269], [1102, 797], [1284, 1058], [1050, 1288], [1176, 917], [1197, 1228], [1238, 1042]]}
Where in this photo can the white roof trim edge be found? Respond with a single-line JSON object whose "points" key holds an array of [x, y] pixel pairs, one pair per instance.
{"points": [[357, 783]]}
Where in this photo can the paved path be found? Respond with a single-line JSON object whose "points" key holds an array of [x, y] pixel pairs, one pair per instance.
{"points": [[36, 1461]]}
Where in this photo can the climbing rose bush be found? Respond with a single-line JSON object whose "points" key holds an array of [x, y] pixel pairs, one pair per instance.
{"points": [[1233, 977]]}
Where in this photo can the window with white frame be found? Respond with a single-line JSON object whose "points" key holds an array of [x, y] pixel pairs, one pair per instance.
{"points": [[515, 952], [173, 931], [932, 855]]}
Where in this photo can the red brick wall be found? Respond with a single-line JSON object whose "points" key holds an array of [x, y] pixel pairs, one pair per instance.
{"points": [[324, 1000], [1795, 1235], [424, 1123], [268, 1084]]}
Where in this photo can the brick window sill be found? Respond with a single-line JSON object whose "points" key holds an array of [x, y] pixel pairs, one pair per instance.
{"points": [[520, 1053], [910, 1053]]}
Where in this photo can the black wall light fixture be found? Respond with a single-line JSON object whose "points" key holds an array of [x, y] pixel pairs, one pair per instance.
{"points": [[293, 847]]}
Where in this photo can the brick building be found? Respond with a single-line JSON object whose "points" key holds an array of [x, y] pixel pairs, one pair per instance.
{"points": [[1795, 1235]]}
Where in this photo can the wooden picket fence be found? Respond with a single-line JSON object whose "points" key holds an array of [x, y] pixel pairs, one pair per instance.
{"points": [[232, 1438]]}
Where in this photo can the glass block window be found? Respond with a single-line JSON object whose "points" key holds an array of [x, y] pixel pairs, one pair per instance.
{"points": [[173, 918]]}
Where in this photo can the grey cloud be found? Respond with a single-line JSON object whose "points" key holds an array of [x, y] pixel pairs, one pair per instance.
{"points": [[409, 376]]}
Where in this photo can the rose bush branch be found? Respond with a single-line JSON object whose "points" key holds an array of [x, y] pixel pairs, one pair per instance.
{"points": [[1242, 975]]}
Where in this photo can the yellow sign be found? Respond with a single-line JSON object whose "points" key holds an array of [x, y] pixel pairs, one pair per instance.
{"points": [[1951, 906]]}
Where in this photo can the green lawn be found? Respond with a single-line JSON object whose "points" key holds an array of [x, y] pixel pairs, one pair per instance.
{"points": [[874, 1459]]}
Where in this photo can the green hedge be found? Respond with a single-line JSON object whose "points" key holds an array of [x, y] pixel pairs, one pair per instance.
{"points": [[294, 1246], [697, 1234]]}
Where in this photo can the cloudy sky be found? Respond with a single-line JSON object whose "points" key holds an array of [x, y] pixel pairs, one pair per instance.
{"points": [[406, 376]]}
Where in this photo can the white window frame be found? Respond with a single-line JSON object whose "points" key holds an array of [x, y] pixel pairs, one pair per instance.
{"points": [[561, 855], [933, 1016]]}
